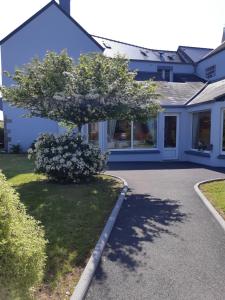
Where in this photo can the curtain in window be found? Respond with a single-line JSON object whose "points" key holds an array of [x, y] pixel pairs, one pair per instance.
{"points": [[195, 130], [111, 129], [152, 127]]}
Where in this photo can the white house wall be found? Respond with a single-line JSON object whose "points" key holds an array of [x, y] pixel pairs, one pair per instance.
{"points": [[218, 60], [152, 67], [50, 30], [215, 137]]}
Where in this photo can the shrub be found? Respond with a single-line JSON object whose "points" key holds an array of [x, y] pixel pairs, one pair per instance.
{"points": [[15, 149], [22, 246], [1, 134], [67, 157]]}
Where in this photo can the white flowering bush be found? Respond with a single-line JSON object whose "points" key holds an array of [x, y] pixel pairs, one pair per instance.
{"points": [[67, 157]]}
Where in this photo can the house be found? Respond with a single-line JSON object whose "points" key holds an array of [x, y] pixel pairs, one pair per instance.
{"points": [[190, 82]]}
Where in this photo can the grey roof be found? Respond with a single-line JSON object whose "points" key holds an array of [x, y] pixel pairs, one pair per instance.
{"points": [[134, 52], [220, 48], [213, 91], [177, 93], [194, 54]]}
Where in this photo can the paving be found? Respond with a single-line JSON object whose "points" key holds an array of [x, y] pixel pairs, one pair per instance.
{"points": [[165, 243]]}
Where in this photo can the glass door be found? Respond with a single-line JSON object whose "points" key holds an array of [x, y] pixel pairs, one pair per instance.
{"points": [[170, 136]]}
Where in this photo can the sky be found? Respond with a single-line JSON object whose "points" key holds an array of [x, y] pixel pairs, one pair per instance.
{"points": [[157, 24]]}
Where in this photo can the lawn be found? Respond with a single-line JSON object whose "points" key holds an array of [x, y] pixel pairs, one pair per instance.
{"points": [[73, 217], [215, 192]]}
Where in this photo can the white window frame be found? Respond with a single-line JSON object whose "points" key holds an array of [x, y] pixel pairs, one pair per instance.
{"points": [[132, 140], [194, 112], [221, 131]]}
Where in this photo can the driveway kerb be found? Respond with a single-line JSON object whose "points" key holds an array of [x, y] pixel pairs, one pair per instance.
{"points": [[207, 203], [88, 273]]}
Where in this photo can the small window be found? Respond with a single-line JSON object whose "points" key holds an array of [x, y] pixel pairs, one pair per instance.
{"points": [[201, 127], [165, 74], [210, 72]]}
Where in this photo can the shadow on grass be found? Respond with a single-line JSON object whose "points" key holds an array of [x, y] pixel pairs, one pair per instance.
{"points": [[73, 217], [141, 219]]}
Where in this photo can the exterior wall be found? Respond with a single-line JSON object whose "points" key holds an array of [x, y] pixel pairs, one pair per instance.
{"points": [[150, 154], [152, 67], [218, 60], [214, 158], [51, 30], [185, 151]]}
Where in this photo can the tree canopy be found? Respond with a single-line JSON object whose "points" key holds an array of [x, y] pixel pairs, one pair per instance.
{"points": [[96, 88]]}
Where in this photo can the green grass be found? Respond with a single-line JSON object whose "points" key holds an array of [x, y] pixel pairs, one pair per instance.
{"points": [[73, 217], [215, 192]]}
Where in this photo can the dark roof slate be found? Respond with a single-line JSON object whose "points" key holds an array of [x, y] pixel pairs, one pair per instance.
{"points": [[220, 48], [193, 54], [134, 52], [176, 93], [212, 92]]}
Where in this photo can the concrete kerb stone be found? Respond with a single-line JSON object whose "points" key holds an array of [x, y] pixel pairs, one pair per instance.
{"points": [[207, 203], [88, 273]]}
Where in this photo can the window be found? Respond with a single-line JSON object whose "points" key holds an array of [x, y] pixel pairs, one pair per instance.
{"points": [[170, 132], [93, 130], [201, 125], [223, 132], [210, 72], [165, 73], [132, 135]]}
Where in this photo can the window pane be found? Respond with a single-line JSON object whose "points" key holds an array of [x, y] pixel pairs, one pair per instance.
{"points": [[170, 133], [145, 134], [223, 145], [119, 134], [93, 133], [201, 125]]}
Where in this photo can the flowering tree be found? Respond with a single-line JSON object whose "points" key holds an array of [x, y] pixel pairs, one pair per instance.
{"points": [[95, 89]]}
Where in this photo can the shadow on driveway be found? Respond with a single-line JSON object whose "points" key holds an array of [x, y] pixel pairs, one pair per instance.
{"points": [[143, 218]]}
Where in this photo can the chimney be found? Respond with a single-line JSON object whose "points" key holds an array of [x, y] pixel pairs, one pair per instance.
{"points": [[65, 5], [223, 37]]}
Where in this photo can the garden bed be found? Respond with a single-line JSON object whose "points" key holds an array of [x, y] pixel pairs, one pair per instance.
{"points": [[215, 193], [73, 217]]}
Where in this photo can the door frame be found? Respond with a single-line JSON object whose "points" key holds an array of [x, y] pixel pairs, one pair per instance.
{"points": [[177, 115]]}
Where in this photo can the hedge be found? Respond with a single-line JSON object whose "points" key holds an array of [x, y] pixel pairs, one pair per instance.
{"points": [[22, 246]]}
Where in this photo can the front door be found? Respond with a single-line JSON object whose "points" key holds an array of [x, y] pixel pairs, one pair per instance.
{"points": [[170, 136]]}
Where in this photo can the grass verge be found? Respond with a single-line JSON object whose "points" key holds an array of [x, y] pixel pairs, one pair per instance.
{"points": [[73, 217], [215, 193]]}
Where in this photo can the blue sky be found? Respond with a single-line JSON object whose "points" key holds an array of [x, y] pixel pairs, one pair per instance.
{"points": [[161, 24]]}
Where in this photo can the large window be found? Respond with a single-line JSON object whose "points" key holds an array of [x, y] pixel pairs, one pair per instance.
{"points": [[93, 132], [132, 135], [201, 125], [223, 132]]}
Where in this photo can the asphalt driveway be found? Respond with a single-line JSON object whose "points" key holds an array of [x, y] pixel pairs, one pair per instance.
{"points": [[165, 243]]}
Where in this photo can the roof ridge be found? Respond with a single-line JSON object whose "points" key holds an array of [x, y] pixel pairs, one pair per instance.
{"points": [[52, 2], [133, 45], [196, 94], [193, 47]]}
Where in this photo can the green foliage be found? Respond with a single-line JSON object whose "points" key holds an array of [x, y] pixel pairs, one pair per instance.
{"points": [[73, 216], [15, 149], [22, 246], [1, 134], [67, 157], [97, 88]]}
